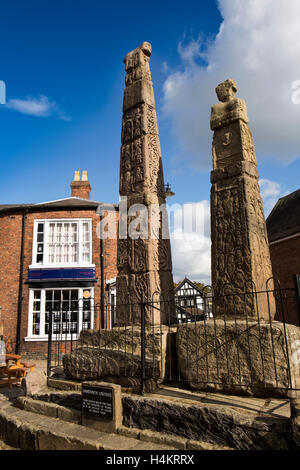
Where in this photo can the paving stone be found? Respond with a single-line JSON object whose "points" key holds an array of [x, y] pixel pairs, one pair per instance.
{"points": [[117, 442], [129, 432], [159, 438], [51, 440], [143, 445], [69, 415], [201, 445], [35, 406]]}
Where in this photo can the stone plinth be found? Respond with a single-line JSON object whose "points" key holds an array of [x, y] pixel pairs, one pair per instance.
{"points": [[144, 258], [240, 251], [117, 352], [227, 357]]}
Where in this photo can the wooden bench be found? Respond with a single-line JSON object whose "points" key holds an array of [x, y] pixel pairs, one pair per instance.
{"points": [[28, 365], [14, 369]]}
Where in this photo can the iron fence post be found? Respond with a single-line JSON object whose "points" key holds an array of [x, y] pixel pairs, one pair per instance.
{"points": [[296, 278], [49, 343], [143, 354]]}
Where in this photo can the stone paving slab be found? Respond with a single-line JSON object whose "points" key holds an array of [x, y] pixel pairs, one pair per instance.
{"points": [[270, 406]]}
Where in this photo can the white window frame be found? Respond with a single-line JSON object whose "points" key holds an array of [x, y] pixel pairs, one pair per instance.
{"points": [[44, 337], [45, 264], [112, 290]]}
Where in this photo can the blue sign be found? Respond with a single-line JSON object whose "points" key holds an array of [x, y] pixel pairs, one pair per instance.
{"points": [[62, 274]]}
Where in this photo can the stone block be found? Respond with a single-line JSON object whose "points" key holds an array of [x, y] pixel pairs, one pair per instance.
{"points": [[34, 382], [63, 384], [222, 425], [295, 407], [20, 402], [117, 352], [295, 430], [236, 357], [139, 92]]}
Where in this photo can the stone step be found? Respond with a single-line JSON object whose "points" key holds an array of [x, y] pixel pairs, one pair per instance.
{"points": [[145, 435], [26, 430]]}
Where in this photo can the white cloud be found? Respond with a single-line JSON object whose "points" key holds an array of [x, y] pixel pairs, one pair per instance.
{"points": [[270, 192], [257, 45], [40, 107], [269, 188], [191, 258], [190, 242], [165, 67], [190, 233]]}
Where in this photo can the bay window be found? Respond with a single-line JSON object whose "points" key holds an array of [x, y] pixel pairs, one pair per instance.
{"points": [[72, 310], [62, 242]]}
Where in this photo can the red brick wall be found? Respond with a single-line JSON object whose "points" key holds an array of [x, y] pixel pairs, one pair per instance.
{"points": [[285, 258], [81, 189], [10, 252], [10, 242]]}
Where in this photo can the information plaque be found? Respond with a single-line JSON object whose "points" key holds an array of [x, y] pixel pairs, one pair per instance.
{"points": [[97, 402]]}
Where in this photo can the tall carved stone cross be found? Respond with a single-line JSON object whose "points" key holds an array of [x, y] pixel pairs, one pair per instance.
{"points": [[144, 259], [240, 251]]}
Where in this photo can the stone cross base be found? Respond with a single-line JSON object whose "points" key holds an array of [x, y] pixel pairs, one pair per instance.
{"points": [[239, 358]]}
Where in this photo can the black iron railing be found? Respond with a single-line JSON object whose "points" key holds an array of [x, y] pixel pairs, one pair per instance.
{"points": [[183, 340]]}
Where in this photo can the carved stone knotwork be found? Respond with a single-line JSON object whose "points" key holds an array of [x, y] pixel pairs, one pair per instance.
{"points": [[144, 263], [240, 250]]}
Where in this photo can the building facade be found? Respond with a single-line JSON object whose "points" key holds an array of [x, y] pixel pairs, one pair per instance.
{"points": [[53, 258], [283, 225]]}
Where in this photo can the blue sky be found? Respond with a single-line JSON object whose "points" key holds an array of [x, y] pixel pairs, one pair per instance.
{"points": [[72, 53], [62, 62]]}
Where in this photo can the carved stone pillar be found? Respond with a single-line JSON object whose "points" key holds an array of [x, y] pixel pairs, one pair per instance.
{"points": [[144, 261], [240, 251]]}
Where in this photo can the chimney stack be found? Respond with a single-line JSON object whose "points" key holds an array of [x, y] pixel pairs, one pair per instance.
{"points": [[81, 188]]}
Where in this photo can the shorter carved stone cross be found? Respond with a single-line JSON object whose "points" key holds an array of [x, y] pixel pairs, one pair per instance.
{"points": [[240, 251]]}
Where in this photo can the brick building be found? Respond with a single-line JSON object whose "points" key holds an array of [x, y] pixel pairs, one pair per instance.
{"points": [[283, 225], [51, 255]]}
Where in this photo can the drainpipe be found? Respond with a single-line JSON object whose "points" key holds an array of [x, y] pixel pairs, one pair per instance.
{"points": [[102, 282], [20, 297], [102, 323]]}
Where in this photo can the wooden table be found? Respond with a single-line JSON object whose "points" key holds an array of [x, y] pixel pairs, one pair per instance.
{"points": [[14, 369]]}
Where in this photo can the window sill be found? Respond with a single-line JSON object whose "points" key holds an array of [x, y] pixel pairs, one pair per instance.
{"points": [[55, 266], [59, 337]]}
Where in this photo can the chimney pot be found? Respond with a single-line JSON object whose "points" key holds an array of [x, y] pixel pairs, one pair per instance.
{"points": [[77, 176]]}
